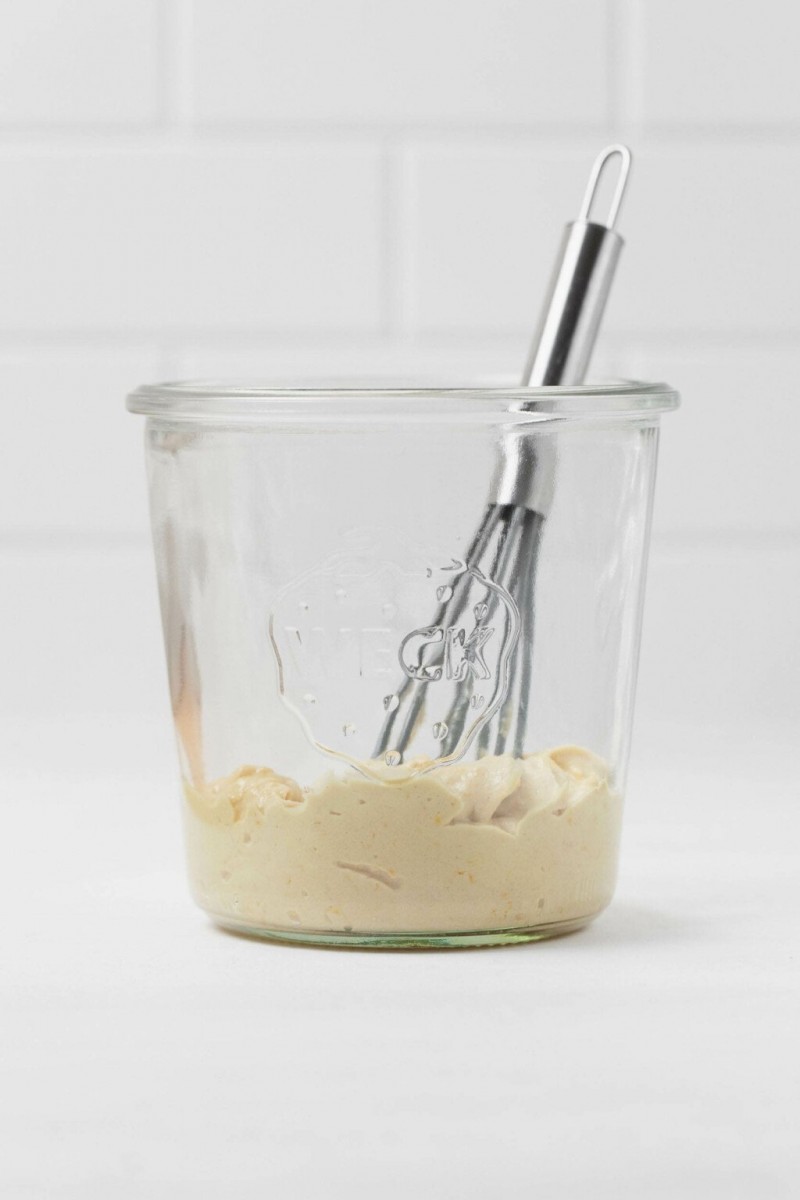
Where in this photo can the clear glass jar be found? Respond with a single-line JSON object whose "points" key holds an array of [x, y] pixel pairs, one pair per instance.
{"points": [[402, 629]]}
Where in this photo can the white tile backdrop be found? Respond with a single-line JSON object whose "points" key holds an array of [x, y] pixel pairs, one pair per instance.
{"points": [[272, 186]]}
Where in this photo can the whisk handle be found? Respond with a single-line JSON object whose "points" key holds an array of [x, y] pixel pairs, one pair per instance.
{"points": [[525, 473], [580, 284], [573, 306]]}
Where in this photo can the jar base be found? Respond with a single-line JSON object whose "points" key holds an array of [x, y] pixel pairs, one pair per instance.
{"points": [[406, 941]]}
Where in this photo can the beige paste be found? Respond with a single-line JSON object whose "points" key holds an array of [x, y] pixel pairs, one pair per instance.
{"points": [[499, 843]]}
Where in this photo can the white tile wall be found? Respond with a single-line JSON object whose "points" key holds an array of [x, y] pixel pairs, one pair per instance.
{"points": [[80, 632], [721, 639], [92, 62], [68, 460], [724, 464], [483, 226], [712, 236], [420, 61], [322, 186], [701, 223], [119, 240], [728, 63]]}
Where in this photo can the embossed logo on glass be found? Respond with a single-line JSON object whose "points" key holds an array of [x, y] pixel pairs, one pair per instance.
{"points": [[389, 665]]}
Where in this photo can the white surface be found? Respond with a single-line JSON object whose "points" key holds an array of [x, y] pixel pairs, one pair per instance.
{"points": [[146, 1054], [191, 238], [357, 61], [53, 476], [91, 62], [723, 466], [719, 62]]}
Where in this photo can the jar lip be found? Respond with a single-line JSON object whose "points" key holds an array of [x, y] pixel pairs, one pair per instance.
{"points": [[204, 401]]}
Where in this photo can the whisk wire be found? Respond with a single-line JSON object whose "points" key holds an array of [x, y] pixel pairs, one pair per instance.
{"points": [[522, 489], [446, 614]]}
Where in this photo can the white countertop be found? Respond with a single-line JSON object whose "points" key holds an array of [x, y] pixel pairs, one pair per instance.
{"points": [[653, 1055]]}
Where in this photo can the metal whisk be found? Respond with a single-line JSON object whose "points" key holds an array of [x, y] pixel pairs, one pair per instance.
{"points": [[505, 547]]}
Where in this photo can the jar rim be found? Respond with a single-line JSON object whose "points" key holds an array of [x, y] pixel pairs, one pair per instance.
{"points": [[208, 401]]}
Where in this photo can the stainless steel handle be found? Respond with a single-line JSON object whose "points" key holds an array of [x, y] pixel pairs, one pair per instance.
{"points": [[562, 346], [579, 287], [575, 301]]}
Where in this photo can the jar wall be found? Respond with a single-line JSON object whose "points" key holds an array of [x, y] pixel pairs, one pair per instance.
{"points": [[391, 732], [317, 552]]}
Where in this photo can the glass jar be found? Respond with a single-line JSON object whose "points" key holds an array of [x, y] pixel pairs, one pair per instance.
{"points": [[402, 628]]}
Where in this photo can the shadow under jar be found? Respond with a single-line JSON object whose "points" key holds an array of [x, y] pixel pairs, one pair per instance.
{"points": [[402, 707]]}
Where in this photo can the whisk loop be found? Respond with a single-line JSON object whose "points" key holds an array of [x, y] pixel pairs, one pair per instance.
{"points": [[600, 164]]}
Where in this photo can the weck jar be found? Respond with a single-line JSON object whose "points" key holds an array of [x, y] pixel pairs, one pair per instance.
{"points": [[402, 627]]}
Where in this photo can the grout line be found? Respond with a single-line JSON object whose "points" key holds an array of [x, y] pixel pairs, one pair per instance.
{"points": [[92, 338], [391, 238], [763, 136], [175, 65], [663, 547], [163, 60], [612, 67], [620, 338], [120, 136], [576, 134], [408, 280], [173, 342], [632, 59], [177, 132], [693, 339]]}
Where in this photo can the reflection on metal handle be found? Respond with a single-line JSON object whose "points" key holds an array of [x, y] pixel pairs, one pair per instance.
{"points": [[525, 472], [579, 287], [565, 337]]}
